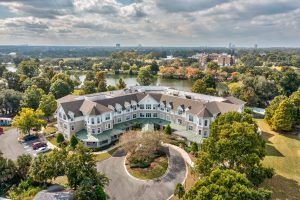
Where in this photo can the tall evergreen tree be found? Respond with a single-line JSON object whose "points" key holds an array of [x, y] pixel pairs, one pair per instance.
{"points": [[282, 119]]}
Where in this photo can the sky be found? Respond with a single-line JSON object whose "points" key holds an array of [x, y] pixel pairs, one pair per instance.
{"points": [[268, 23]]}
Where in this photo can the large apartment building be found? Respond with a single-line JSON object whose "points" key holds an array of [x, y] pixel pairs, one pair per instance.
{"points": [[223, 60], [99, 119]]}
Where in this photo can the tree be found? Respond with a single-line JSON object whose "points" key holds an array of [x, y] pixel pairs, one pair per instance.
{"points": [[283, 119], [179, 190], [212, 65], [60, 138], [23, 165], [111, 88], [10, 101], [270, 111], [199, 87], [2, 70], [27, 119], [73, 141], [168, 130], [89, 87], [8, 172], [121, 84], [194, 147], [234, 143], [141, 145], [289, 81], [48, 105], [32, 97], [41, 82], [13, 80], [154, 67], [60, 88], [90, 76], [81, 166], [102, 86], [226, 184], [48, 166], [144, 76], [100, 76], [29, 68]]}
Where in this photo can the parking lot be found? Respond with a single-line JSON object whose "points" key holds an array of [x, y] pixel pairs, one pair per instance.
{"points": [[11, 148]]}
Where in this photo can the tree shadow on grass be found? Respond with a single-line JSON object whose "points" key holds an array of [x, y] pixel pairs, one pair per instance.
{"points": [[283, 188], [272, 151]]}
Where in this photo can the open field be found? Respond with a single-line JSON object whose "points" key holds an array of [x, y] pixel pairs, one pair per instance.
{"points": [[283, 154]]}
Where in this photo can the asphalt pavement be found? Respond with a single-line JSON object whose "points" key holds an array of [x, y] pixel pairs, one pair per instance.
{"points": [[11, 148], [124, 187]]}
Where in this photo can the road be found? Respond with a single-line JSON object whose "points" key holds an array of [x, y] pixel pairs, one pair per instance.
{"points": [[11, 148], [122, 186]]}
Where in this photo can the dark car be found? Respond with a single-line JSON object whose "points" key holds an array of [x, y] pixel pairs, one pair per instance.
{"points": [[37, 145], [27, 138], [1, 131]]}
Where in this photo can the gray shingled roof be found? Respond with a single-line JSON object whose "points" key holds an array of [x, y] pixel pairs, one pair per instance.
{"points": [[196, 107]]}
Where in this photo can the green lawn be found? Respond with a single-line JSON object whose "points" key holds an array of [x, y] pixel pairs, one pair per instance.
{"points": [[158, 168], [53, 141], [283, 154], [103, 156]]}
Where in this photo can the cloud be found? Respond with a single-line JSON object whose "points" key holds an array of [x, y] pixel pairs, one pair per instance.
{"points": [[151, 22]]}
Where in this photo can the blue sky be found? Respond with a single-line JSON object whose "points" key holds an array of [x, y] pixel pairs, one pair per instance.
{"points": [[151, 22]]}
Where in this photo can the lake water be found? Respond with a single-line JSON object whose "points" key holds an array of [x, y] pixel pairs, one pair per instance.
{"points": [[185, 85]]}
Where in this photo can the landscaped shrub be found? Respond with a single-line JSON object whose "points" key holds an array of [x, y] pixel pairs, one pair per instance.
{"points": [[60, 138], [144, 163]]}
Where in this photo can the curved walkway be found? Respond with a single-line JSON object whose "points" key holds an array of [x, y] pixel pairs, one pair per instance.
{"points": [[122, 186]]}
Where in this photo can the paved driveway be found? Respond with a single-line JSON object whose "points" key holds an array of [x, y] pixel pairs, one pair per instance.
{"points": [[124, 187], [11, 148]]}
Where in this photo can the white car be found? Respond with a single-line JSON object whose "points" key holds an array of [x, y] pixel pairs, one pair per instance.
{"points": [[42, 150]]}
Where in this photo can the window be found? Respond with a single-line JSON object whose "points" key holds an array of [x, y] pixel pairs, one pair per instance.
{"points": [[99, 130], [133, 107], [107, 126], [59, 114], [154, 107], [148, 115], [128, 109], [179, 112], [200, 122], [200, 132], [98, 120], [205, 134], [162, 108], [179, 121], [72, 118], [107, 117], [191, 118], [190, 128], [119, 120], [72, 127], [168, 109], [133, 116], [155, 115], [127, 117], [142, 106], [148, 106], [92, 120], [142, 115], [205, 122], [119, 111], [104, 142], [93, 131], [65, 117]]}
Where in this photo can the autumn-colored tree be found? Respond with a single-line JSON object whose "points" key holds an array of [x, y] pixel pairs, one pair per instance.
{"points": [[28, 119]]}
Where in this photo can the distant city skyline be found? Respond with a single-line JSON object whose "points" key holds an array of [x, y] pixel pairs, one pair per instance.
{"points": [[182, 23]]}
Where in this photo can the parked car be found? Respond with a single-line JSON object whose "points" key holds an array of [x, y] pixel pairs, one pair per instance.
{"points": [[37, 145], [1, 131], [27, 138], [42, 150]]}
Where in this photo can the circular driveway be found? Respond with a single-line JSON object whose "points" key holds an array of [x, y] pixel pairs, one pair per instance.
{"points": [[122, 186]]}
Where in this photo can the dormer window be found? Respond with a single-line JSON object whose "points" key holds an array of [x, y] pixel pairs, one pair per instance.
{"points": [[134, 107], [180, 112], [92, 121], [128, 109], [142, 106], [107, 117], [119, 111], [191, 118]]}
